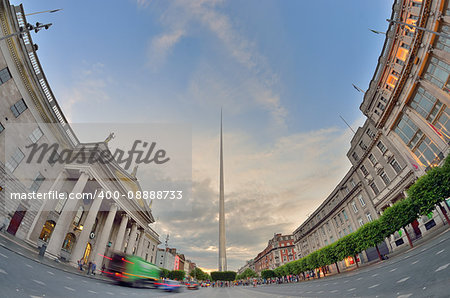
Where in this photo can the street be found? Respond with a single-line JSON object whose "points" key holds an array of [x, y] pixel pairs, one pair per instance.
{"points": [[423, 271]]}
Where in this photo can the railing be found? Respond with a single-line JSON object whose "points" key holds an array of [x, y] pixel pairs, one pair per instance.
{"points": [[43, 82]]}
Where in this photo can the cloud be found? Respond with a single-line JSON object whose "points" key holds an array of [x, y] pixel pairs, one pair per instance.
{"points": [[267, 190], [91, 85], [181, 17]]}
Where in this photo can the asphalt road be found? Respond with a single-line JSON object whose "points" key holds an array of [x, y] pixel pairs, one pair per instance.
{"points": [[421, 272]]}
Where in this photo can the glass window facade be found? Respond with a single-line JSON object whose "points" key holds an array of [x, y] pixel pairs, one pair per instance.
{"points": [[443, 43], [437, 73], [4, 75]]}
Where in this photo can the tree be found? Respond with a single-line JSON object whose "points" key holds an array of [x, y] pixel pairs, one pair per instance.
{"points": [[198, 274], [248, 273], [223, 275], [370, 235], [177, 274], [266, 274], [399, 216], [164, 273], [431, 189], [347, 246]]}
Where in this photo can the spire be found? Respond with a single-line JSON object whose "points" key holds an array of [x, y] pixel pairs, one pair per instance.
{"points": [[222, 249]]}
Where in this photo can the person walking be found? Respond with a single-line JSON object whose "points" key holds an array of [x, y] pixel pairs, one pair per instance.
{"points": [[94, 266], [4, 223]]}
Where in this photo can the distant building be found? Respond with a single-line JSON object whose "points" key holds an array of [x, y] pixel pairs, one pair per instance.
{"points": [[279, 251], [249, 264]]}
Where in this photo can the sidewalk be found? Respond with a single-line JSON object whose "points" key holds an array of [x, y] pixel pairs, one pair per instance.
{"points": [[22, 248]]}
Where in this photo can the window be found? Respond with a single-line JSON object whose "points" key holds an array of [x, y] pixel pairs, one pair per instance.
{"points": [[426, 104], [361, 200], [328, 227], [437, 73], [18, 108], [355, 156], [331, 239], [354, 207], [352, 183], [361, 222], [60, 205], [385, 178], [362, 145], [381, 106], [370, 133], [374, 188], [427, 151], [345, 231], [15, 160], [37, 183], [395, 165], [335, 220], [323, 231], [36, 135], [2, 128], [78, 216], [381, 146], [364, 170], [372, 159], [345, 214], [369, 217], [68, 242], [325, 242], [350, 229], [443, 43], [340, 219], [340, 234], [4, 75]]}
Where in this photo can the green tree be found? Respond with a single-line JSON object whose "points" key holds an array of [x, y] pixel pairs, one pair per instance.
{"points": [[399, 216], [223, 275], [347, 246], [177, 274], [266, 274], [164, 273], [431, 189], [370, 235], [198, 274]]}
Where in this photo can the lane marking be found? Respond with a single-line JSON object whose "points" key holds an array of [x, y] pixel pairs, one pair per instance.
{"points": [[51, 273], [442, 250], [374, 286], [28, 265], [359, 278], [335, 283], [345, 281], [85, 281], [423, 250], [392, 270], [442, 267], [403, 280], [376, 274], [39, 282], [110, 293], [3, 271], [93, 292], [5, 256], [352, 289], [334, 291], [319, 292], [405, 296], [70, 289], [68, 277]]}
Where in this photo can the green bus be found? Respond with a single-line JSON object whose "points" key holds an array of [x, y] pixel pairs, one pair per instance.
{"points": [[131, 270]]}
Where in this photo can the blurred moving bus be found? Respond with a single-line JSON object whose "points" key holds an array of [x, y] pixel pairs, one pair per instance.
{"points": [[131, 270]]}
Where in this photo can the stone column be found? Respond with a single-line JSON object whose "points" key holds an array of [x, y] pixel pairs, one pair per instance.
{"points": [[82, 240], [100, 246], [140, 247], [132, 240], [121, 233], [125, 239], [65, 218], [46, 207]]}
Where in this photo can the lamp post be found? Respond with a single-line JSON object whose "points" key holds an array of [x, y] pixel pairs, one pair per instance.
{"points": [[419, 28], [28, 28]]}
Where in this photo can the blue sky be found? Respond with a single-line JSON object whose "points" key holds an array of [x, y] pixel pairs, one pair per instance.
{"points": [[281, 70]]}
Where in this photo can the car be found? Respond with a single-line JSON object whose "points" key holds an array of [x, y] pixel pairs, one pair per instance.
{"points": [[192, 285], [169, 285]]}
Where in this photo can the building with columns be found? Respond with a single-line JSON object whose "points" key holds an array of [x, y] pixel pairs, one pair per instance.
{"points": [[85, 228], [407, 132]]}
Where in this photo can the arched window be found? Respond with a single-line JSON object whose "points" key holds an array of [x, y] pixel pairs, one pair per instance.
{"points": [[68, 242], [78, 216], [47, 230]]}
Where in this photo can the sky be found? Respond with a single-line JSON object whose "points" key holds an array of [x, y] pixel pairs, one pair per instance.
{"points": [[282, 72]]}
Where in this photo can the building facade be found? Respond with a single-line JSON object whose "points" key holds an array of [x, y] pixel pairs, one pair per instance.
{"points": [[407, 131], [72, 229], [279, 251]]}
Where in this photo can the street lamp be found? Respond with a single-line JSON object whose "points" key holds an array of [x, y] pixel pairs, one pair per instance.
{"points": [[419, 28], [28, 28]]}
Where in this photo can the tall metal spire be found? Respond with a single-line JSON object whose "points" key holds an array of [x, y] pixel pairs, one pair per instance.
{"points": [[222, 249]]}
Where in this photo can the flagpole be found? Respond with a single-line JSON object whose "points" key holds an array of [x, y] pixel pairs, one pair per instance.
{"points": [[347, 125]]}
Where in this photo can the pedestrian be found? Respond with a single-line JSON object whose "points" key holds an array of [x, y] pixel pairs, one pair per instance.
{"points": [[4, 223], [80, 264], [103, 268], [89, 268], [94, 266]]}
